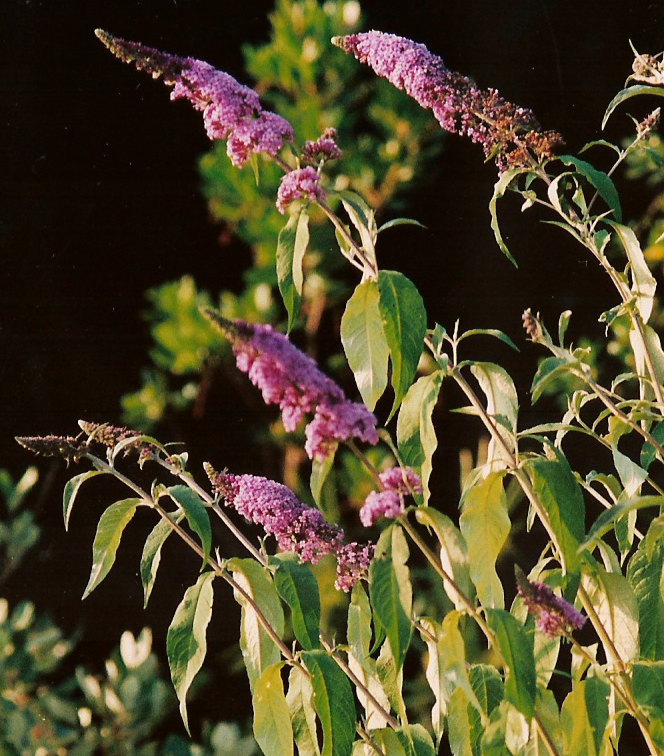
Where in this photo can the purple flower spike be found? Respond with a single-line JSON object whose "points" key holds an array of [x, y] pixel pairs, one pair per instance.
{"points": [[230, 110], [509, 133], [301, 183], [295, 526], [397, 482], [323, 149], [553, 615], [288, 377]]}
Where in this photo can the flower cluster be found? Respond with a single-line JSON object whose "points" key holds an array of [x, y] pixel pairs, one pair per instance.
{"points": [[323, 149], [230, 110], [288, 377], [68, 448], [509, 133], [389, 502], [295, 526], [553, 615], [300, 183]]}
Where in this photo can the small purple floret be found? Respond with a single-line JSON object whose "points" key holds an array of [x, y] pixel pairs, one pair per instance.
{"points": [[300, 183], [295, 526], [389, 503], [553, 615], [323, 149], [509, 133], [230, 110], [288, 377]]}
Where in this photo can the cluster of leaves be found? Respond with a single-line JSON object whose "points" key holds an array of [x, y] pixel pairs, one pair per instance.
{"points": [[389, 139]]}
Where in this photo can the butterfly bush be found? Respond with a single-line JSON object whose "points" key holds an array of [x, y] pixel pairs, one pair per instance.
{"points": [[553, 615], [288, 377], [389, 502], [301, 183], [505, 131]]}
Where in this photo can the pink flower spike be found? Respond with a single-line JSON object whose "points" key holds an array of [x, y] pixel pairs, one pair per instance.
{"points": [[301, 183], [553, 615]]}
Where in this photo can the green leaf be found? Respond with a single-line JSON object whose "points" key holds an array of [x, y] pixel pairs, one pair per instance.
{"points": [[489, 332], [334, 703], [654, 347], [415, 740], [453, 553], [626, 94], [584, 717], [302, 713], [502, 405], [643, 281], [196, 514], [600, 180], [297, 586], [391, 679], [615, 604], [151, 556], [72, 488], [400, 222], [319, 473], [391, 591], [487, 686], [405, 324], [359, 660], [560, 495], [516, 648], [291, 247], [107, 539], [364, 342], [259, 651], [485, 525], [648, 687], [644, 573], [499, 190], [607, 518], [548, 370], [185, 641], [416, 437], [272, 722]]}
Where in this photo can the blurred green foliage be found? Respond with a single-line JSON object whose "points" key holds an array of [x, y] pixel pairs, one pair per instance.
{"points": [[389, 140]]}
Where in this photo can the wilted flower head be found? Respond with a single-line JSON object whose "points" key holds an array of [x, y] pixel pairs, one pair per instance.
{"points": [[324, 148], [300, 183], [288, 377], [230, 110], [68, 448], [508, 133], [389, 502], [553, 615], [295, 526]]}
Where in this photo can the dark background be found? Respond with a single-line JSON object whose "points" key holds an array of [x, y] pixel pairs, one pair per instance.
{"points": [[99, 200]]}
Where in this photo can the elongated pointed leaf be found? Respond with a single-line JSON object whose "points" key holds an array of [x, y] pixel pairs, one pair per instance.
{"points": [[502, 404], [391, 591], [516, 648], [319, 473], [186, 645], [600, 180], [151, 556], [644, 574], [272, 722], [364, 342], [302, 713], [487, 685], [297, 586], [334, 702], [258, 650], [485, 525], [489, 332], [499, 190], [196, 514], [626, 94], [584, 716], [643, 281], [453, 553], [654, 347], [107, 539], [608, 517], [648, 686], [405, 324], [72, 488], [548, 370], [291, 247], [561, 497], [416, 436]]}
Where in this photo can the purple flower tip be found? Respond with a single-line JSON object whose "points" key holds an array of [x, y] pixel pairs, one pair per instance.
{"points": [[301, 183], [553, 615], [230, 110], [397, 482], [323, 149], [509, 133]]}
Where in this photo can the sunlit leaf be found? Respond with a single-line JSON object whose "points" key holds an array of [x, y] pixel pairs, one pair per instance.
{"points": [[297, 586], [584, 717], [186, 645], [302, 713], [151, 556], [319, 472], [272, 722], [626, 94], [196, 514], [72, 488], [499, 190], [643, 281], [644, 573], [291, 247], [600, 180]]}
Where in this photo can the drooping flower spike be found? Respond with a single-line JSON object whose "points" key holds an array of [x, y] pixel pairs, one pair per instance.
{"points": [[553, 615], [288, 377], [508, 133], [295, 526], [231, 111]]}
